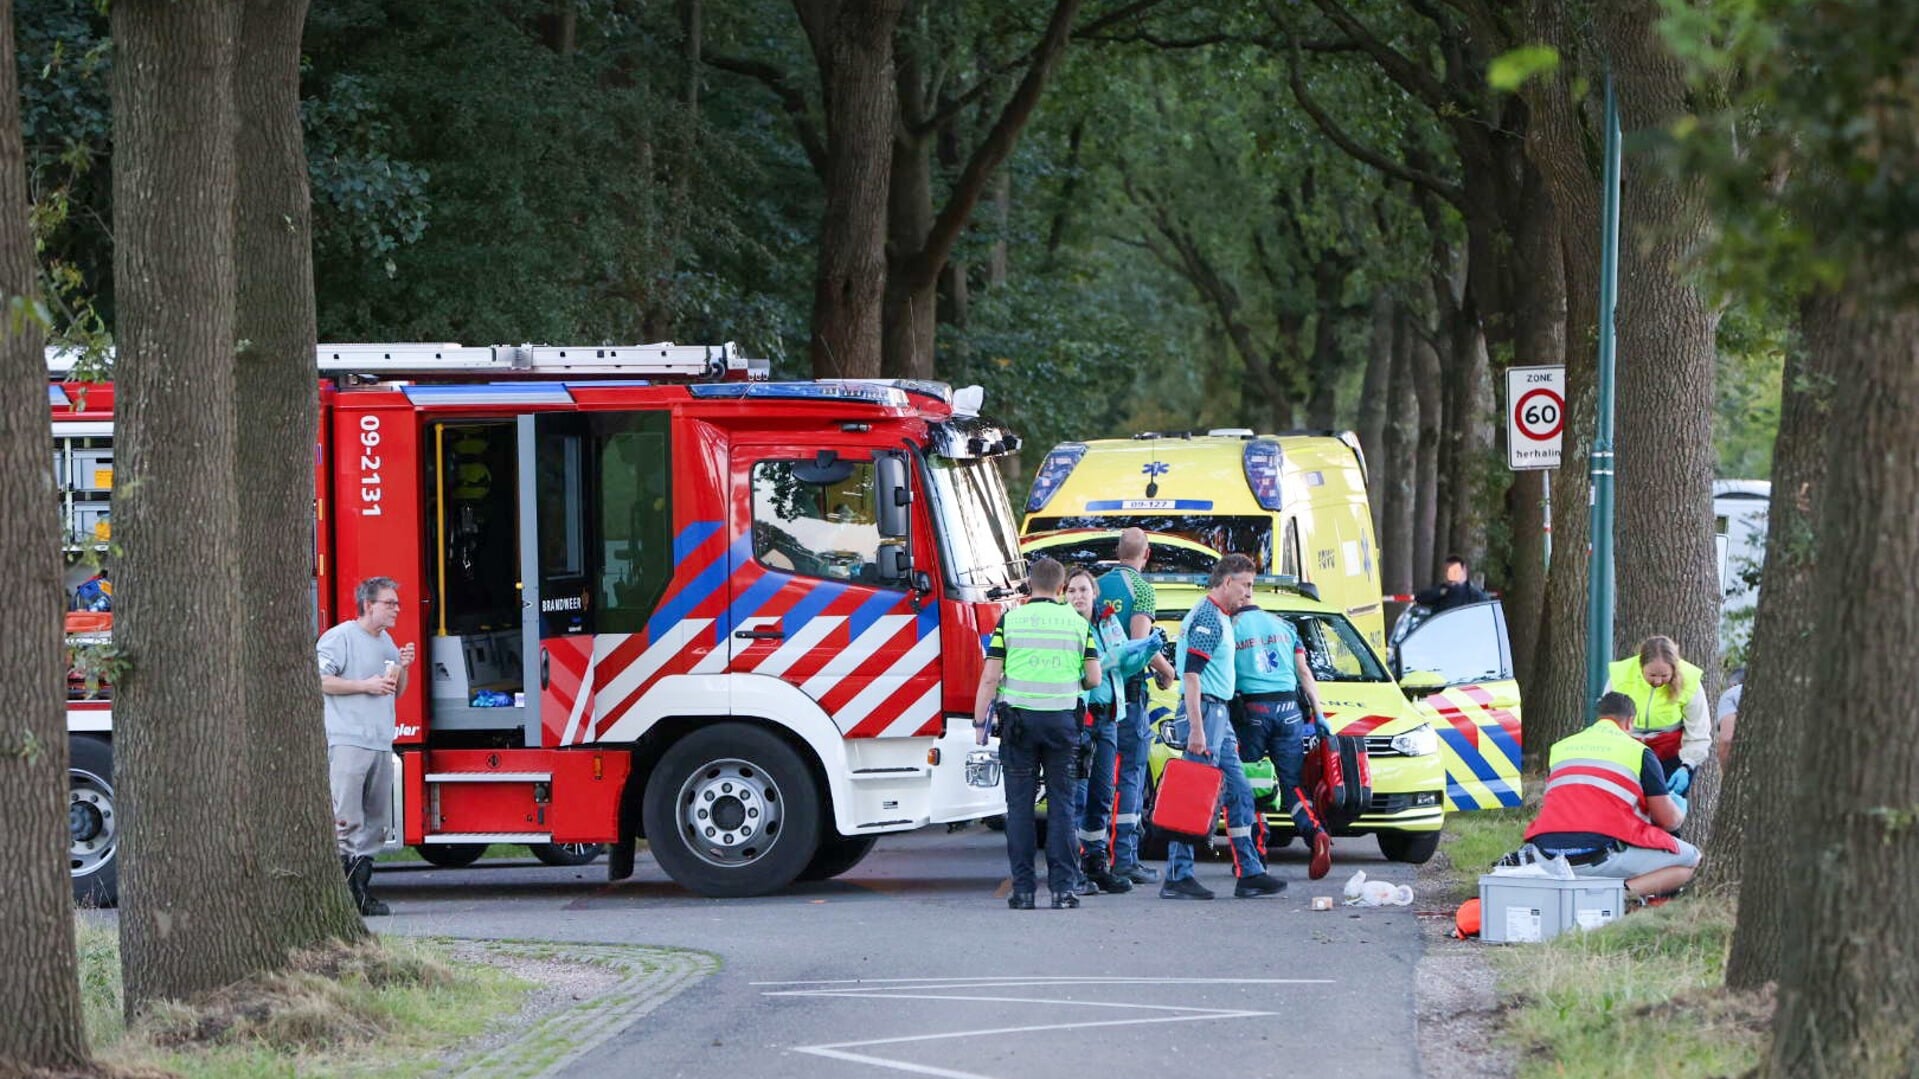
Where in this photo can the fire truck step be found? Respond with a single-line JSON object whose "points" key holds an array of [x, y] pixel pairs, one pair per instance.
{"points": [[489, 777], [490, 837]]}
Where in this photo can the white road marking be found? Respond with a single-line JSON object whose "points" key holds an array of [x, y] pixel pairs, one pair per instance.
{"points": [[917, 989]]}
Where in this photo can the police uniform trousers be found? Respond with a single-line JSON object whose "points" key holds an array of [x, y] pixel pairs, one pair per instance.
{"points": [[1041, 744]]}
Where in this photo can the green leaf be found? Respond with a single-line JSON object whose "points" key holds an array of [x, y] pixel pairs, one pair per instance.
{"points": [[1509, 71]]}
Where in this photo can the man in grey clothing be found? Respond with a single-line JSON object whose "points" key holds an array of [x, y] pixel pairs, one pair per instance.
{"points": [[362, 672]]}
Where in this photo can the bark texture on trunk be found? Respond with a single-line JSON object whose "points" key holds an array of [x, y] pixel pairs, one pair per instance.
{"points": [[1556, 703], [1428, 387], [1397, 467], [1771, 732], [1848, 994], [1539, 337], [1667, 581], [185, 926], [910, 305], [1371, 427], [303, 897], [852, 42], [38, 975]]}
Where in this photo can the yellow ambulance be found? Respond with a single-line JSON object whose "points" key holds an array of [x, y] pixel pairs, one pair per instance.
{"points": [[1295, 503]]}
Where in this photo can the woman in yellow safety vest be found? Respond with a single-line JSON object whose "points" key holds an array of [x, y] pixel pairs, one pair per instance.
{"points": [[1670, 695]]}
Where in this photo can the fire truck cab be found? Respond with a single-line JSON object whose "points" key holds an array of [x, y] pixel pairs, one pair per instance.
{"points": [[656, 599]]}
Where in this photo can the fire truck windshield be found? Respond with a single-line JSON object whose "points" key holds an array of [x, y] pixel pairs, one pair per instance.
{"points": [[977, 536]]}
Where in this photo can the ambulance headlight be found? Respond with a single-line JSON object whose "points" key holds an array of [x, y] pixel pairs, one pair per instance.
{"points": [[1418, 742]]}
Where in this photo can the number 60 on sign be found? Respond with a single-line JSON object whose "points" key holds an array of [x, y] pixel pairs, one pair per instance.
{"points": [[1535, 416]]}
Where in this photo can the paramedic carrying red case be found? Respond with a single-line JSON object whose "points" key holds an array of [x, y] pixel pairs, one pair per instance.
{"points": [[1187, 802]]}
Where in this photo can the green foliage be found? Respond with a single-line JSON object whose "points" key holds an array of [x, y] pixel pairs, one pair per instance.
{"points": [[1813, 162], [1748, 380], [1510, 70]]}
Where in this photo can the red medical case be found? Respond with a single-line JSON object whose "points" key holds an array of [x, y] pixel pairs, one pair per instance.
{"points": [[1187, 801]]}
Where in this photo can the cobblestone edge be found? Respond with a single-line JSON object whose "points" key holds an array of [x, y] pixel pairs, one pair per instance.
{"points": [[546, 1046]]}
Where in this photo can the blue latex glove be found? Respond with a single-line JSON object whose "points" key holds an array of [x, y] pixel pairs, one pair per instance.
{"points": [[1681, 781], [1678, 800]]}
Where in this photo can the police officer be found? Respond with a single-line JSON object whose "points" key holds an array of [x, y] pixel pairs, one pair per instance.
{"points": [[1135, 605], [1039, 658], [1271, 673]]}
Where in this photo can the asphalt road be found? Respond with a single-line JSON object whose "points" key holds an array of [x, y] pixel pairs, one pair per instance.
{"points": [[911, 964]]}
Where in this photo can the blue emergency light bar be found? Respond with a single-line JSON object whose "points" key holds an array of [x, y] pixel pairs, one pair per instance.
{"points": [[866, 392]]}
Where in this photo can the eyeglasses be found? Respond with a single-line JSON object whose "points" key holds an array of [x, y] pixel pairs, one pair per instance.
{"points": [[386, 603]]}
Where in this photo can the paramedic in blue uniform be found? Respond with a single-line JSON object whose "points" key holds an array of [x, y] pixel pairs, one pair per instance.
{"points": [[1271, 673], [1135, 605], [1206, 655], [1039, 658]]}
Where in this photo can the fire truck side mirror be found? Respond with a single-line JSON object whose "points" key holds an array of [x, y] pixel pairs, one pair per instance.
{"points": [[895, 498], [895, 563]]}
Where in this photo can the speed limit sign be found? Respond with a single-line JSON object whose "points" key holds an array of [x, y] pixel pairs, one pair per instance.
{"points": [[1535, 416]]}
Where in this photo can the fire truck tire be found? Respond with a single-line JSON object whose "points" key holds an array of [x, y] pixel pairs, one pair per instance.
{"points": [[1414, 848], [93, 823], [837, 854], [567, 854], [731, 810], [450, 855]]}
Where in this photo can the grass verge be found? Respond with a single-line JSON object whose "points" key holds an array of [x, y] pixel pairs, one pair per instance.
{"points": [[386, 1008], [1642, 995], [495, 850]]}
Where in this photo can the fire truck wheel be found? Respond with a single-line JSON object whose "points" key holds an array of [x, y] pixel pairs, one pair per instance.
{"points": [[837, 854], [1415, 848], [731, 810], [93, 823], [450, 855], [567, 854]]}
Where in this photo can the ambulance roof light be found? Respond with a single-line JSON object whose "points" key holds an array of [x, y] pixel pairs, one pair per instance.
{"points": [[1262, 464], [1059, 464]]}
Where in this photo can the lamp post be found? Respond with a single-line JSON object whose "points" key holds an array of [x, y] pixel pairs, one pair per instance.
{"points": [[1599, 587]]}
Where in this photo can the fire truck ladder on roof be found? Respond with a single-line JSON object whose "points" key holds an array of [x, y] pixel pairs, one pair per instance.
{"points": [[662, 361]]}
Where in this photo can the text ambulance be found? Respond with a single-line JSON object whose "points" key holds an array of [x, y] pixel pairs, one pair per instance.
{"points": [[740, 619]]}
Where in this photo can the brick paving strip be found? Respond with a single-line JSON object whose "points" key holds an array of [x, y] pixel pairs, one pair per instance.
{"points": [[610, 986]]}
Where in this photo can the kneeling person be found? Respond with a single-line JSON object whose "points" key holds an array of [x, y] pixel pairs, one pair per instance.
{"points": [[1607, 803]]}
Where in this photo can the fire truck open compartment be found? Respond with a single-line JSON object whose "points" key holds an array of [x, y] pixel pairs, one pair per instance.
{"points": [[475, 651]]}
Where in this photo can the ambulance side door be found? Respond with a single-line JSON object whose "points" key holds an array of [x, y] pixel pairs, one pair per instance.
{"points": [[821, 586], [1456, 669]]}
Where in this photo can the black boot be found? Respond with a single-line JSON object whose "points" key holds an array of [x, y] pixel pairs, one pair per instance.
{"points": [[1095, 873], [619, 859], [360, 883]]}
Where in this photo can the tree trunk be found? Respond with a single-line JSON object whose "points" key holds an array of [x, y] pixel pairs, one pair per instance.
{"points": [[1667, 581], [1539, 324], [1848, 998], [1329, 283], [996, 264], [37, 964], [1397, 465], [1374, 388], [184, 925], [1429, 386], [303, 899], [1771, 734], [911, 305], [1556, 699], [852, 42], [1471, 414]]}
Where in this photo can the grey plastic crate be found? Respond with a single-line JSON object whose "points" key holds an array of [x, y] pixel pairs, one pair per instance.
{"points": [[1515, 910]]}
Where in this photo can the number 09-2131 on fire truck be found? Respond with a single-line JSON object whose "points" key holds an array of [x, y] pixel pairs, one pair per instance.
{"points": [[654, 598]]}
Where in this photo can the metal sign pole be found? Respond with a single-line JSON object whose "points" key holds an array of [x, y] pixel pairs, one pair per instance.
{"points": [[1599, 591]]}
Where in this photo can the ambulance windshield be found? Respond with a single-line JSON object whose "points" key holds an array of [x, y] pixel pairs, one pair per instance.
{"points": [[975, 522]]}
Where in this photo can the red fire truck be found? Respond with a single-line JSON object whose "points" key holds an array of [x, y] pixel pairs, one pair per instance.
{"points": [[654, 597]]}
